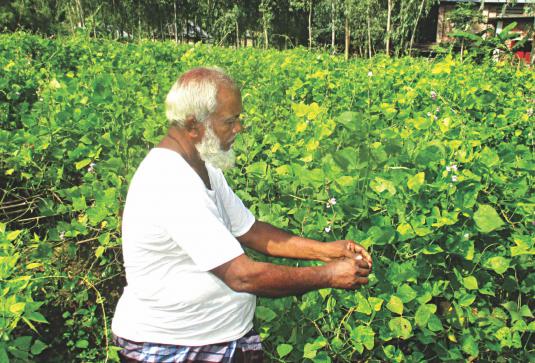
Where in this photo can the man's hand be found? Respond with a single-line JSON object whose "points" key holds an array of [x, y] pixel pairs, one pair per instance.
{"points": [[348, 273], [346, 249]]}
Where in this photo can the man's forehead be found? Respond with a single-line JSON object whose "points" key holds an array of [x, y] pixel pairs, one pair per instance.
{"points": [[229, 96]]}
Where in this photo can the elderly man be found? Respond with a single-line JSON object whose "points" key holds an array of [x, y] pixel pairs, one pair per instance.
{"points": [[191, 290]]}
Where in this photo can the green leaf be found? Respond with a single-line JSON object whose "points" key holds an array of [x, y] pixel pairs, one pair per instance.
{"points": [[469, 346], [406, 293], [379, 185], [310, 349], [489, 158], [37, 347], [424, 313], [375, 303], [415, 182], [17, 308], [525, 311], [466, 299], [258, 169], [381, 235], [23, 343], [430, 154], [432, 249], [497, 263], [401, 327], [470, 282], [99, 251], [487, 219], [524, 246], [265, 314], [284, 349], [79, 203], [351, 120], [82, 163], [3, 354], [363, 304], [394, 354], [504, 336], [364, 335], [395, 305], [11, 236], [36, 316], [322, 357], [434, 323], [82, 344], [345, 157]]}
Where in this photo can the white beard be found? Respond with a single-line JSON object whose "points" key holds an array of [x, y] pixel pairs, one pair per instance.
{"points": [[210, 151]]}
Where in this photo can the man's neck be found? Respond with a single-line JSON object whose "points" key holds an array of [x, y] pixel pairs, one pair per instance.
{"points": [[177, 141]]}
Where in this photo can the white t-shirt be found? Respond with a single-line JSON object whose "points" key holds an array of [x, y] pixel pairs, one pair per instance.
{"points": [[174, 231]]}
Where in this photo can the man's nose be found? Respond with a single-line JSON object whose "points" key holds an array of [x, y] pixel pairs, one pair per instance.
{"points": [[237, 127]]}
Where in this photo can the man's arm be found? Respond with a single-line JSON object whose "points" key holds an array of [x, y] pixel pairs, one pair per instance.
{"points": [[272, 241], [243, 274]]}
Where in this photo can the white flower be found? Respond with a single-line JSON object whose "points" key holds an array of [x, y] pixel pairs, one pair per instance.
{"points": [[530, 112], [327, 205], [91, 168], [438, 109], [454, 167], [370, 74], [62, 235], [332, 201], [433, 95], [429, 114], [448, 168], [454, 178], [466, 236], [328, 229]]}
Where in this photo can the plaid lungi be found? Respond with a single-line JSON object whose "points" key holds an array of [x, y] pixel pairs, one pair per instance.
{"points": [[247, 349]]}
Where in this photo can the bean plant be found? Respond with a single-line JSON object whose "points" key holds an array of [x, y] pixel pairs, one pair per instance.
{"points": [[428, 163]]}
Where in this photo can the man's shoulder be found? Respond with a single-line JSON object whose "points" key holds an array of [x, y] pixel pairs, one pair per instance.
{"points": [[162, 167]]}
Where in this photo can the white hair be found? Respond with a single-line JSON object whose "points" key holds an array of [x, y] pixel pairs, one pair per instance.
{"points": [[195, 94]]}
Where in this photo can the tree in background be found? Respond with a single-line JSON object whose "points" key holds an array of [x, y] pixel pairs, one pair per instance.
{"points": [[463, 18], [362, 27]]}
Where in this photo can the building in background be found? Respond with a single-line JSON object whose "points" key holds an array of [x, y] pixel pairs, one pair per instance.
{"points": [[496, 16]]}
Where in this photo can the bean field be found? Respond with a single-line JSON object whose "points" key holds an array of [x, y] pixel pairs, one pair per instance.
{"points": [[429, 163]]}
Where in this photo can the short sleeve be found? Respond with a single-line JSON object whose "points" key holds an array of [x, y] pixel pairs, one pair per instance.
{"points": [[241, 218], [194, 224]]}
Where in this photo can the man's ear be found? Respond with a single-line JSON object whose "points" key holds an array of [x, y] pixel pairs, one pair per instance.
{"points": [[194, 128]]}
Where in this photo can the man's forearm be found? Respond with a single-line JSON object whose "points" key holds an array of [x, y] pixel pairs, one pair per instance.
{"points": [[266, 279], [272, 241], [242, 274]]}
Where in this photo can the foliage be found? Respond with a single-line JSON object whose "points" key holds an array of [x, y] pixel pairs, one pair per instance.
{"points": [[265, 23], [430, 164]]}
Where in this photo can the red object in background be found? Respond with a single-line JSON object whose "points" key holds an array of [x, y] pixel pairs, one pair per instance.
{"points": [[526, 56]]}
